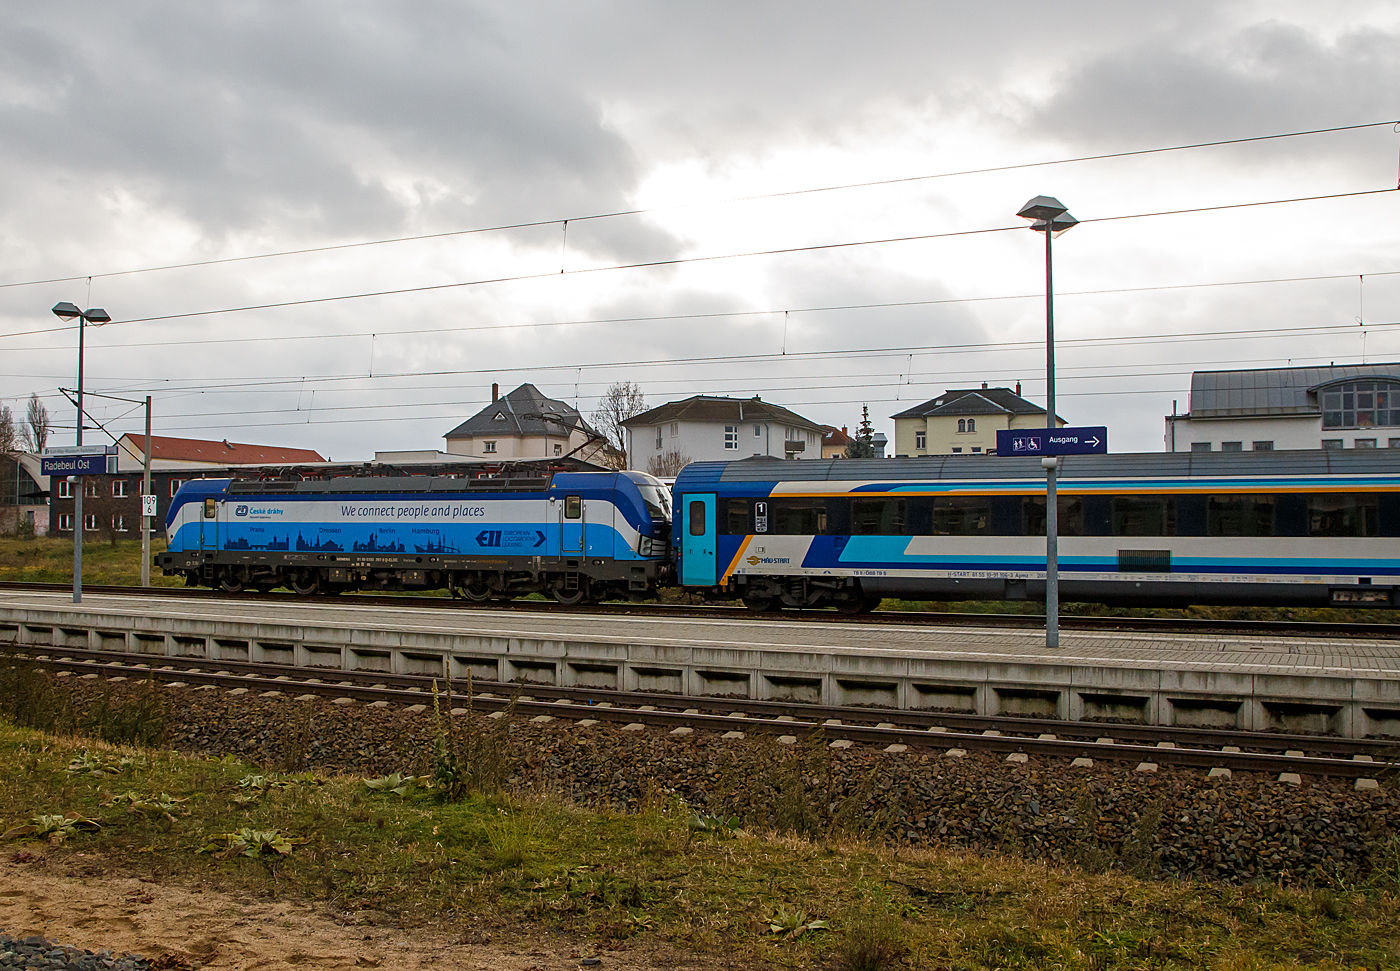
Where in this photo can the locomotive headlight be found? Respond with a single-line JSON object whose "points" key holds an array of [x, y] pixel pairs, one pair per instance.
{"points": [[644, 546]]}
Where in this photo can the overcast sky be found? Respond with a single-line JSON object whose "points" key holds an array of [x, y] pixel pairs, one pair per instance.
{"points": [[141, 135]]}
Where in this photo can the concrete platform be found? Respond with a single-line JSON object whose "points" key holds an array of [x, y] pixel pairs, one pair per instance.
{"points": [[1348, 688]]}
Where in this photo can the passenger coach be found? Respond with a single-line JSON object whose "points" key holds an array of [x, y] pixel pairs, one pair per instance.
{"points": [[1268, 528]]}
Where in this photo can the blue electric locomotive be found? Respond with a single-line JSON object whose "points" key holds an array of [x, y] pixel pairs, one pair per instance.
{"points": [[1270, 528], [574, 535]]}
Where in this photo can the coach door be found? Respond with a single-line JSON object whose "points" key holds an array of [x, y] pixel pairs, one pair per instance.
{"points": [[571, 526], [698, 540], [209, 524]]}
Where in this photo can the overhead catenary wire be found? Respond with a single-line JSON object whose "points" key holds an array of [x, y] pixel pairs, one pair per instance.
{"points": [[684, 260], [986, 170]]}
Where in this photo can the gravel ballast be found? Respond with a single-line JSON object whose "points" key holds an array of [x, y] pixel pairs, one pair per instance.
{"points": [[39, 953], [1175, 822]]}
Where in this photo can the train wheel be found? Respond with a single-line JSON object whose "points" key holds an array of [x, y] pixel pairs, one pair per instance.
{"points": [[759, 605], [860, 605], [306, 582], [231, 582], [567, 597], [477, 590]]}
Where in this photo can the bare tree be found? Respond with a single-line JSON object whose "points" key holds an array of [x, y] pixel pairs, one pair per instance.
{"points": [[9, 435], [35, 432], [668, 464], [621, 401]]}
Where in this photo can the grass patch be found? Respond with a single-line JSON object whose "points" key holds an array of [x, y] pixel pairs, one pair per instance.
{"points": [[529, 863], [49, 559]]}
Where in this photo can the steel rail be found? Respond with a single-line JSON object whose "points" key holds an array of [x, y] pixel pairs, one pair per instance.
{"points": [[279, 678], [1078, 622]]}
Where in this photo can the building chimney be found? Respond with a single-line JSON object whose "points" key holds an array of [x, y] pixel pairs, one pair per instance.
{"points": [[843, 430], [1018, 389], [984, 385], [495, 391]]}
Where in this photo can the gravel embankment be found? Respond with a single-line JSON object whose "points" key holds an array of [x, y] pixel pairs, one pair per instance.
{"points": [[38, 953], [1175, 822]]}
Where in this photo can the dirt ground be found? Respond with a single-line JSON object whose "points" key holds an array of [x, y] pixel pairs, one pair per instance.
{"points": [[75, 901]]}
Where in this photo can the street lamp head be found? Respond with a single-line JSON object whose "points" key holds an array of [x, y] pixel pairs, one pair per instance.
{"points": [[98, 316], [1048, 213], [66, 310], [1042, 208]]}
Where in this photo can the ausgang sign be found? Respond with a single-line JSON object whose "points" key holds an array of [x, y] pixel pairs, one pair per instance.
{"points": [[1088, 440]]}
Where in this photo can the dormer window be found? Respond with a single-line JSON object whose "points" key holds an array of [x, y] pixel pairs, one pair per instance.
{"points": [[1360, 404]]}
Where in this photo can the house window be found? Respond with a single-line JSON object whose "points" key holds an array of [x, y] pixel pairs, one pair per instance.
{"points": [[1331, 443], [658, 436], [118, 488], [757, 431], [92, 489], [1395, 443], [921, 439], [65, 491], [962, 424], [957, 450], [90, 522], [499, 417], [1263, 446], [675, 429], [488, 446], [65, 522], [175, 486], [976, 448], [119, 523], [1364, 443], [972, 424], [558, 450], [1232, 446], [731, 436], [1200, 446], [1360, 404]]}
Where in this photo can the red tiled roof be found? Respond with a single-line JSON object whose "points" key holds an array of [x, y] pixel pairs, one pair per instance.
{"points": [[220, 453], [834, 436]]}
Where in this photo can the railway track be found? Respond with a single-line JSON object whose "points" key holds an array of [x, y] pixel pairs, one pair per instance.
{"points": [[917, 730], [1165, 625]]}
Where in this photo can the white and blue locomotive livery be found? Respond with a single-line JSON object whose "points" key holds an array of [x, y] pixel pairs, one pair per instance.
{"points": [[573, 535], [1305, 528]]}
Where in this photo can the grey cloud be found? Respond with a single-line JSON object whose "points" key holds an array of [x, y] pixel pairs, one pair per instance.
{"points": [[282, 117], [1268, 77]]}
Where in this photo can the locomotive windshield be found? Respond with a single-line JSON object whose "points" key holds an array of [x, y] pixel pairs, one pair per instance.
{"points": [[658, 501]]}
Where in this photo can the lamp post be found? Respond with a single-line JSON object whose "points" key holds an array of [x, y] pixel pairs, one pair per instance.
{"points": [[1049, 216], [97, 317]]}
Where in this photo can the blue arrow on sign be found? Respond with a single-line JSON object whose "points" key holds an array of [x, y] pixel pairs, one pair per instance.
{"points": [[1085, 440]]}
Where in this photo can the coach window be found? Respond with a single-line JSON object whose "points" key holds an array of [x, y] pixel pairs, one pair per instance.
{"points": [[1143, 516], [736, 517], [879, 517], [960, 515], [1069, 520], [211, 508], [1240, 515], [573, 507], [799, 517], [697, 517], [1342, 515]]}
